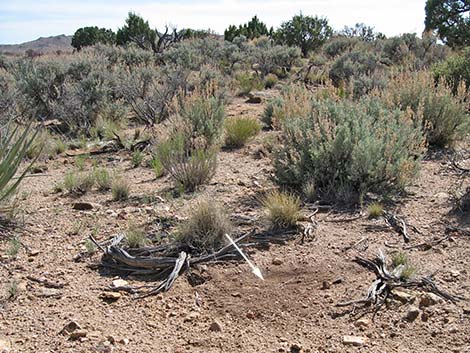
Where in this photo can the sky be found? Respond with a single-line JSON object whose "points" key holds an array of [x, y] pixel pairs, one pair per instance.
{"points": [[25, 20]]}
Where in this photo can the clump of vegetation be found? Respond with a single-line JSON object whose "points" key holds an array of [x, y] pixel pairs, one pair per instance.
{"points": [[238, 131], [282, 210], [78, 183], [270, 81], [309, 191], [294, 101], [137, 158], [80, 162], [401, 264], [14, 246], [157, 166], [375, 210], [454, 70], [248, 82], [90, 247], [12, 290], [205, 229], [135, 237], [349, 147], [442, 113], [120, 188], [102, 178]]}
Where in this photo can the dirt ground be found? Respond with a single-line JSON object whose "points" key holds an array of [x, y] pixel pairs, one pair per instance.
{"points": [[292, 310]]}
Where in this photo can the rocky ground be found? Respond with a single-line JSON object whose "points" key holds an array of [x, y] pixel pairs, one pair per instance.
{"points": [[60, 305]]}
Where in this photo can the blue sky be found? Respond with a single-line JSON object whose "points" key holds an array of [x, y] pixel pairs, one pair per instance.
{"points": [[25, 20]]}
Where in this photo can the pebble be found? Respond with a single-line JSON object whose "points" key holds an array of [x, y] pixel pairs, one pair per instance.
{"points": [[277, 261], [110, 296], [412, 314], [429, 299], [119, 283], [215, 326], [354, 340], [362, 323]]}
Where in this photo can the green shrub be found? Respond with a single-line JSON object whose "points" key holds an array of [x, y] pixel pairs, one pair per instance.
{"points": [[348, 147], [270, 81], [205, 229], [188, 168], [120, 188], [239, 131], [281, 210], [454, 70], [102, 179], [248, 82], [14, 246], [157, 166], [137, 158], [309, 191], [443, 115], [338, 45]]}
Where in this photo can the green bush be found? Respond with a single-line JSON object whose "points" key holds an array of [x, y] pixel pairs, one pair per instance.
{"points": [[248, 82], [338, 45], [239, 131], [349, 148], [205, 229], [136, 158], [444, 115], [188, 168], [270, 81], [78, 182], [103, 179], [120, 188], [157, 166], [455, 69]]}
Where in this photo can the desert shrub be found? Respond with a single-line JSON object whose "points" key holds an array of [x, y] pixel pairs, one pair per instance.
{"points": [[136, 158], [7, 96], [267, 117], [281, 210], [348, 147], [375, 210], [454, 70], [149, 91], [293, 102], [14, 247], [359, 68], [202, 116], [338, 45], [248, 82], [188, 168], [205, 229], [78, 183], [120, 188], [102, 178], [270, 81], [239, 131], [443, 115], [309, 191]]}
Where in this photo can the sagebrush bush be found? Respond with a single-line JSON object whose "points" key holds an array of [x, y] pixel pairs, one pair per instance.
{"points": [[346, 147], [454, 70], [205, 229], [120, 188], [444, 115], [188, 167], [293, 102], [270, 81], [238, 131], [338, 45], [248, 82], [281, 210]]}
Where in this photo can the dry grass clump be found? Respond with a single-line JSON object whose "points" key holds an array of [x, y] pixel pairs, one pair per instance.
{"points": [[282, 210], [102, 179], [120, 188], [78, 183], [136, 158], [238, 131], [296, 101], [135, 237], [375, 210], [205, 229]]}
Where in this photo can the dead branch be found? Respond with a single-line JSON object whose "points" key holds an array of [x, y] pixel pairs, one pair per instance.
{"points": [[386, 281]]}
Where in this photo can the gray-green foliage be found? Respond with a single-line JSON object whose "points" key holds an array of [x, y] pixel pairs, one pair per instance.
{"points": [[350, 148]]}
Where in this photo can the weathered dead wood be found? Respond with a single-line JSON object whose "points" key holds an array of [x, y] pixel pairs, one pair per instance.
{"points": [[386, 281], [399, 225]]}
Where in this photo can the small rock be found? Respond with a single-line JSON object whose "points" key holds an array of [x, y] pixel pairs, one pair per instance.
{"points": [[295, 348], [362, 323], [325, 285], [119, 283], [453, 329], [253, 100], [454, 273], [277, 261], [236, 295], [82, 206], [70, 327], [49, 293], [354, 340], [466, 310], [429, 299], [124, 341], [34, 253], [191, 317], [337, 281], [75, 335], [215, 326], [403, 296], [110, 296], [412, 314]]}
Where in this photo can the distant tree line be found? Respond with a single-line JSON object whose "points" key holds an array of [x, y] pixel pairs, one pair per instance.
{"points": [[450, 19]]}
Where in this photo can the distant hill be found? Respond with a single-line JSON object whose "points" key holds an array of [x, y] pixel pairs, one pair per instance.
{"points": [[40, 45]]}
